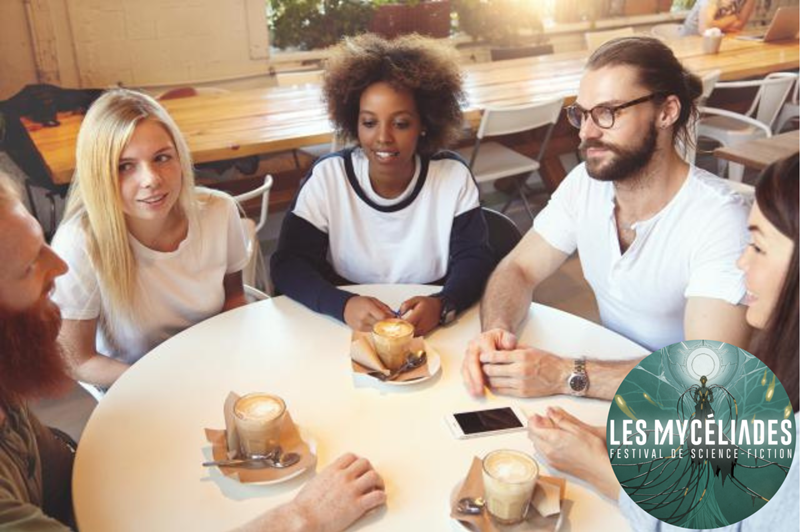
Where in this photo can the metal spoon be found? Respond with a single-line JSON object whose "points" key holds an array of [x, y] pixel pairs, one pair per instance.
{"points": [[470, 506], [284, 461], [413, 361], [274, 458], [237, 462]]}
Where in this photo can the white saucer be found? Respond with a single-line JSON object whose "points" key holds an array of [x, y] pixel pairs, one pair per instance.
{"points": [[459, 526], [434, 365], [312, 447]]}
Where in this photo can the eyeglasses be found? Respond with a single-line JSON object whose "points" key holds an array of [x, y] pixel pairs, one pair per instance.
{"points": [[602, 115]]}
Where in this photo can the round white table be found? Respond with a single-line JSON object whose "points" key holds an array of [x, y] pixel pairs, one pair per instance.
{"points": [[138, 465]]}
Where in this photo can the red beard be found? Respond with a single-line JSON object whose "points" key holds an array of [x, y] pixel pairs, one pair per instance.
{"points": [[32, 363]]}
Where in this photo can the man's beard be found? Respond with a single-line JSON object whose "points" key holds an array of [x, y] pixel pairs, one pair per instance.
{"points": [[628, 161], [32, 363]]}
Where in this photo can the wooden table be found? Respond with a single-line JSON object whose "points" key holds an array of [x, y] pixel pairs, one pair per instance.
{"points": [[138, 465], [761, 153], [265, 120]]}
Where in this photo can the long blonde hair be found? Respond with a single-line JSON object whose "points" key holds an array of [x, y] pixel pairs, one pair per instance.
{"points": [[94, 197]]}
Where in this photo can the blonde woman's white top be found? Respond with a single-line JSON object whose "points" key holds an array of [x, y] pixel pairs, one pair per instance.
{"points": [[175, 290]]}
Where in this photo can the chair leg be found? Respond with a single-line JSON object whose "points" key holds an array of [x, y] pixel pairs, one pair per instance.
{"points": [[52, 230], [722, 166], [736, 172], [524, 198], [29, 189]]}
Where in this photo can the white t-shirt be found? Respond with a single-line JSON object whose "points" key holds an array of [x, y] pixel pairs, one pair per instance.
{"points": [[175, 290], [688, 249], [375, 240]]}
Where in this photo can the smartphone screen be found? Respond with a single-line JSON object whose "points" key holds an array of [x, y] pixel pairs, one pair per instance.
{"points": [[487, 420]]}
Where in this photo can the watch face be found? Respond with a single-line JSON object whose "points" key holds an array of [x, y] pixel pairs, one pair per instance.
{"points": [[578, 382]]}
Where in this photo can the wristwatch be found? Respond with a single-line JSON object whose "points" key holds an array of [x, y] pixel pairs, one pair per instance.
{"points": [[578, 381], [448, 314]]}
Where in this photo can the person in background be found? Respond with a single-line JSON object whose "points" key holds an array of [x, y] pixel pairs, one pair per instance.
{"points": [[395, 208], [36, 466], [727, 15], [149, 254], [770, 264], [657, 237]]}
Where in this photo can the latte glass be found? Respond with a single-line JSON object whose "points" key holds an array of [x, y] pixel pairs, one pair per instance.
{"points": [[258, 418], [508, 481], [392, 339]]}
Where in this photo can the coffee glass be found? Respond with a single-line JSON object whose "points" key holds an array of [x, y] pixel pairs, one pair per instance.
{"points": [[392, 339], [508, 481], [258, 418]]}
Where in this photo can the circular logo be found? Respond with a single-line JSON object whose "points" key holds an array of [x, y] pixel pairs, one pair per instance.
{"points": [[701, 434]]}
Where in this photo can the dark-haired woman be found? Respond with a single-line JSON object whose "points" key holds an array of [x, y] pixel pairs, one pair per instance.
{"points": [[395, 208], [771, 276]]}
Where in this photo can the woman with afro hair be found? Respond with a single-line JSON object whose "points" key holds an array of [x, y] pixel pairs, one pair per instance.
{"points": [[395, 208]]}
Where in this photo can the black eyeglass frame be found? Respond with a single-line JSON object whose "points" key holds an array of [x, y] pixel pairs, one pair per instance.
{"points": [[613, 108]]}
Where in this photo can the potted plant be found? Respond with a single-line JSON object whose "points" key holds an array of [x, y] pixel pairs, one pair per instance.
{"points": [[397, 17], [512, 27], [312, 24]]}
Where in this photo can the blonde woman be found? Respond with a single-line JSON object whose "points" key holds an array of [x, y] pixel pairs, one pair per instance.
{"points": [[149, 255]]}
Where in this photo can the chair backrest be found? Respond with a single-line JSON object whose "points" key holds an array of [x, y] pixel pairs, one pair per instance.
{"points": [[300, 77], [709, 80], [507, 120], [254, 294], [667, 32], [772, 95], [504, 234], [188, 92], [263, 191], [594, 39], [96, 393]]}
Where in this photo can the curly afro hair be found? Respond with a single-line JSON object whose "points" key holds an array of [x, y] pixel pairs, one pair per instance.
{"points": [[425, 67]]}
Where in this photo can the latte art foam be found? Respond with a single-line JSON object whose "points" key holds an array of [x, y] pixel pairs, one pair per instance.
{"points": [[393, 328], [259, 407], [510, 468]]}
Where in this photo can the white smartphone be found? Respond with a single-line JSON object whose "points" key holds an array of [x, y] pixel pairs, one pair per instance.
{"points": [[486, 422]]}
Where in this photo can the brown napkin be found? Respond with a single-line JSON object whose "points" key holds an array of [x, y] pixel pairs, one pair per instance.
{"points": [[364, 359], [225, 444], [548, 495]]}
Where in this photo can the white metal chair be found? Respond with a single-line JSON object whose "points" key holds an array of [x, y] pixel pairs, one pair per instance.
{"points": [[490, 161], [94, 391], [667, 32], [729, 128], [595, 39], [255, 272], [790, 109], [254, 294]]}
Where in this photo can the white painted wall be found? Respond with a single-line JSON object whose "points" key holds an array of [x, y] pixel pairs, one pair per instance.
{"points": [[139, 43], [17, 66], [163, 42]]}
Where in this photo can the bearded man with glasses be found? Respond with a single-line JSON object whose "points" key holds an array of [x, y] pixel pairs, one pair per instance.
{"points": [[658, 239]]}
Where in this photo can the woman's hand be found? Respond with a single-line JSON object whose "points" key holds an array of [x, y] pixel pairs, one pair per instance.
{"points": [[361, 312], [574, 448], [422, 312]]}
